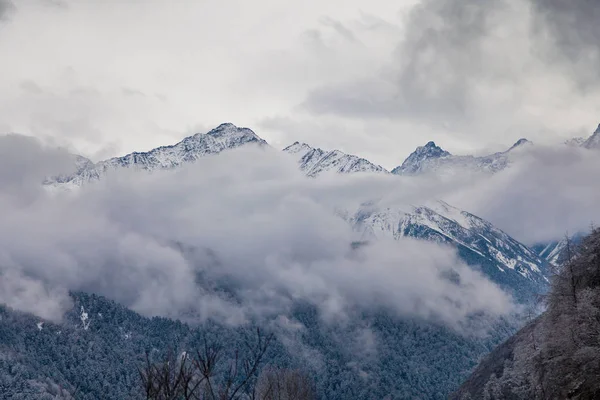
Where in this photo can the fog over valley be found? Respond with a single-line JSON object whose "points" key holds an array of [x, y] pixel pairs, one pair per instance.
{"points": [[328, 199]]}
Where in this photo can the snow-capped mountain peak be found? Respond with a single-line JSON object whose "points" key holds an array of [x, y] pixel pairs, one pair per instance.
{"points": [[433, 159], [432, 147], [228, 135], [521, 142], [420, 157], [315, 161], [298, 147], [224, 137]]}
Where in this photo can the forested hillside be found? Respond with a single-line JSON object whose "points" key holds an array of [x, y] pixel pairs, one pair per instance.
{"points": [[96, 351], [557, 356]]}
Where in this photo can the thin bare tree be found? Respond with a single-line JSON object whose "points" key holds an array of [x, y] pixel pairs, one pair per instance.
{"points": [[201, 376]]}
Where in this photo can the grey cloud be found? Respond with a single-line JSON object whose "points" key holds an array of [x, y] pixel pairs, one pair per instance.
{"points": [[545, 194], [469, 65], [6, 8], [24, 163], [246, 221], [574, 36], [31, 295], [442, 55]]}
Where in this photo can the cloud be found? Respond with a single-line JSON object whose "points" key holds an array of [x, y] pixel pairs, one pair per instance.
{"points": [[339, 28], [377, 78], [574, 37], [232, 237], [24, 163], [481, 70], [6, 7], [549, 192], [245, 235]]}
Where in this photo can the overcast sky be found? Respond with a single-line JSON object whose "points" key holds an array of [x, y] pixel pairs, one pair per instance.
{"points": [[375, 78]]}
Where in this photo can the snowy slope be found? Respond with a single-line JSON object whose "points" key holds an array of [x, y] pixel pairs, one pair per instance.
{"points": [[593, 142], [432, 158], [554, 252], [502, 258], [314, 161], [225, 136], [557, 252]]}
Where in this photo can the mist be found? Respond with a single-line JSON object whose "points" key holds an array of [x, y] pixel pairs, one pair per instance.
{"points": [[233, 237]]}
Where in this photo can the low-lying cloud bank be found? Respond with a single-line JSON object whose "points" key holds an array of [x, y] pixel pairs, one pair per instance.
{"points": [[231, 237], [244, 234]]}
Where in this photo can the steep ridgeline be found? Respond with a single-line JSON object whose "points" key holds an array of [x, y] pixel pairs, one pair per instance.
{"points": [[433, 159], [593, 142], [314, 161], [511, 264], [225, 136]]}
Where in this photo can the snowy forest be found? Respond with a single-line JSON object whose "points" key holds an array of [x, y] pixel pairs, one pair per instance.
{"points": [[557, 355]]}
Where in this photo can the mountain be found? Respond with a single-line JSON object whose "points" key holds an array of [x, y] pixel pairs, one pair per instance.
{"points": [[593, 142], [314, 161], [557, 252], [433, 159], [225, 136], [420, 157], [374, 354], [95, 352], [553, 252], [503, 259], [556, 355]]}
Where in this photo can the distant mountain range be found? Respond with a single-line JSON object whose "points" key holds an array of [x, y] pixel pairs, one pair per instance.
{"points": [[415, 358], [503, 259], [224, 137], [312, 161]]}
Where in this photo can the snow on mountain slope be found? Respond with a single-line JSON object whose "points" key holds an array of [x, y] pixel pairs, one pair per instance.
{"points": [[593, 142], [432, 158], [554, 252], [225, 136], [557, 252], [501, 257], [314, 161]]}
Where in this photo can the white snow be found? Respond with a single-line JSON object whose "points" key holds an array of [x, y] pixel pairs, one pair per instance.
{"points": [[457, 226], [432, 159], [224, 137], [85, 320], [315, 161]]}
